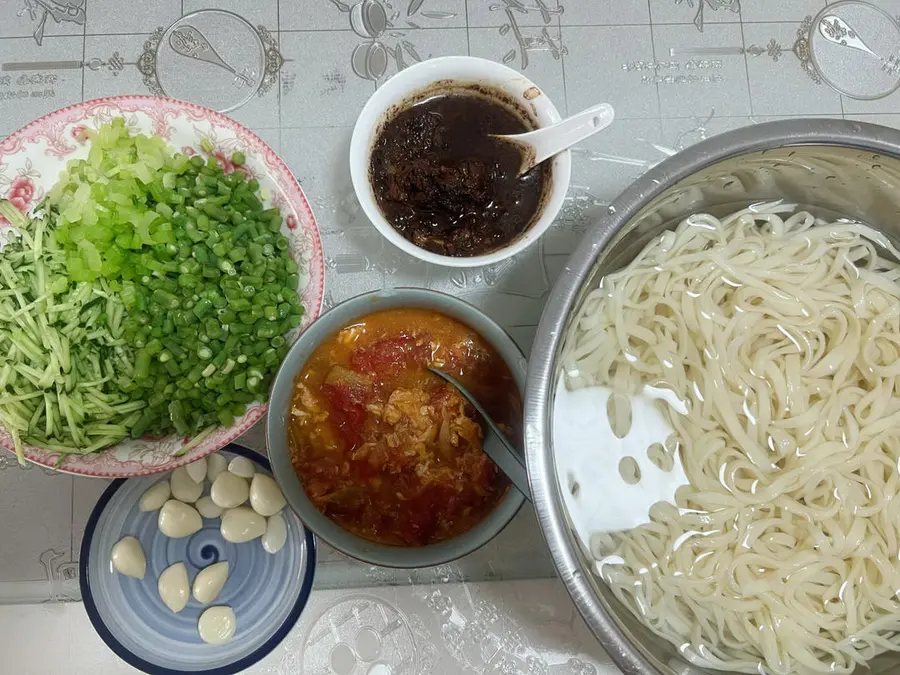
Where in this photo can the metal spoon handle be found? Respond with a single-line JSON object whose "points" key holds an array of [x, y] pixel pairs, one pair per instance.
{"points": [[507, 458]]}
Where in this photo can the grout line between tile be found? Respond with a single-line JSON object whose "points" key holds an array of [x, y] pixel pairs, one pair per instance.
{"points": [[72, 552], [653, 51], [562, 64], [423, 28], [746, 69], [468, 38], [623, 118], [83, 69], [572, 25], [278, 79]]}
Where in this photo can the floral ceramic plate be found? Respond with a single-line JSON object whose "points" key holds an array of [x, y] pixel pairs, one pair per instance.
{"points": [[31, 160]]}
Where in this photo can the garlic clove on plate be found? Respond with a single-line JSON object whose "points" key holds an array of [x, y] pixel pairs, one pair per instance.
{"points": [[197, 470], [174, 588], [155, 496], [209, 582], [229, 490], [208, 508], [241, 466], [215, 464], [177, 519], [184, 489], [276, 534], [217, 625], [242, 524], [128, 558], [265, 495]]}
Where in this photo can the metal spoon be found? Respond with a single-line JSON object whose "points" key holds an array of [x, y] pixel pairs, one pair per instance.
{"points": [[503, 454], [539, 145]]}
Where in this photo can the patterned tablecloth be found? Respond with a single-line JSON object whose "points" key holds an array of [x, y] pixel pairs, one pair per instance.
{"points": [[676, 71]]}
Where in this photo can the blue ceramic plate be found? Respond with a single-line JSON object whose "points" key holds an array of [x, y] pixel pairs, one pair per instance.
{"points": [[267, 592]]}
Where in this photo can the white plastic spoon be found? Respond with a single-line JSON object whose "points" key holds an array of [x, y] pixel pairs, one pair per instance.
{"points": [[544, 143]]}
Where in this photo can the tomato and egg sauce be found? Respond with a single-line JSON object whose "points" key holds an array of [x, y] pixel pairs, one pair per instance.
{"points": [[389, 450]]}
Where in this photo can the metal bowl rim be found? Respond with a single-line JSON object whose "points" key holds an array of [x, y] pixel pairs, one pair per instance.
{"points": [[541, 366]]}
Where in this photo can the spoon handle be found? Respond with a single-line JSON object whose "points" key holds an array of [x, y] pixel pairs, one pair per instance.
{"points": [[510, 464], [507, 459], [552, 140]]}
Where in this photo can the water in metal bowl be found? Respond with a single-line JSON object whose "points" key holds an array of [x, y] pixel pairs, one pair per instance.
{"points": [[832, 168]]}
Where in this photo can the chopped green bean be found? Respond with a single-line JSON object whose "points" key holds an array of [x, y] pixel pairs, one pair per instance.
{"points": [[196, 288]]}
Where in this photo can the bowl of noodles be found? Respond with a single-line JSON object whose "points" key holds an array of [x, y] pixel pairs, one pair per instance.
{"points": [[742, 302]]}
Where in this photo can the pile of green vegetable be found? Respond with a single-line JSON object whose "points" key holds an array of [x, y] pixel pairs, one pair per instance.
{"points": [[152, 296]]}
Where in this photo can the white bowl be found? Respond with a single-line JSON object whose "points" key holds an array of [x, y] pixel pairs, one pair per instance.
{"points": [[463, 70]]}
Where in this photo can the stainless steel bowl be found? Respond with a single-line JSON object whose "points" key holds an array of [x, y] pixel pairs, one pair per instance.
{"points": [[833, 167]]}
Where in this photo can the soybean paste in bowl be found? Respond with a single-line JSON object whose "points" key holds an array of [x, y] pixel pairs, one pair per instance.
{"points": [[445, 184]]}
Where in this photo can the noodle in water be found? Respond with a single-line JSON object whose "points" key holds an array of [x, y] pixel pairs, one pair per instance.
{"points": [[781, 333]]}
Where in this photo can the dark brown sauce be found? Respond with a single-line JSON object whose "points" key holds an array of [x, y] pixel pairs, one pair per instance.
{"points": [[446, 185]]}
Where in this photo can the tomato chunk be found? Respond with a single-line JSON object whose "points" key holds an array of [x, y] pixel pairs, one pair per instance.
{"points": [[347, 393], [391, 354]]}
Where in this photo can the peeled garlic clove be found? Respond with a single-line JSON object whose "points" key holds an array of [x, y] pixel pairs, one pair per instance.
{"points": [[276, 534], [155, 496], [242, 524], [177, 519], [209, 582], [128, 558], [265, 495], [174, 589], [241, 466], [217, 625], [197, 470], [215, 464], [208, 508], [229, 490], [184, 489]]}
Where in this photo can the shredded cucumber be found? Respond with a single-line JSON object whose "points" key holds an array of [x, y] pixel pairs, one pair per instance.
{"points": [[63, 359]]}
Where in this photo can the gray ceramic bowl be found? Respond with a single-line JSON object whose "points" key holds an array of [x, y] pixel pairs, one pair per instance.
{"points": [[279, 406]]}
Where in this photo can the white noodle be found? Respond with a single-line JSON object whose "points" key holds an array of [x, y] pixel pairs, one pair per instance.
{"points": [[782, 332]]}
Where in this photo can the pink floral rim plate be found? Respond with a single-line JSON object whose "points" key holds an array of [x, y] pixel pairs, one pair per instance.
{"points": [[30, 162]]}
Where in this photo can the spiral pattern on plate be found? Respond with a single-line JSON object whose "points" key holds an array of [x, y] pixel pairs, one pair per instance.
{"points": [[266, 592]]}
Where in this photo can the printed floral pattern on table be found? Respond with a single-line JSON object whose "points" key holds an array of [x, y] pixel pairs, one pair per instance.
{"points": [[33, 157], [44, 12], [702, 6], [439, 625]]}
